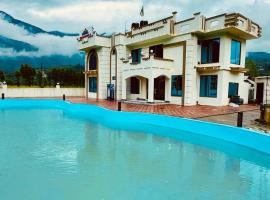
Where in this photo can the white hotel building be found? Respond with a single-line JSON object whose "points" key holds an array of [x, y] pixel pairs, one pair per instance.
{"points": [[194, 61]]}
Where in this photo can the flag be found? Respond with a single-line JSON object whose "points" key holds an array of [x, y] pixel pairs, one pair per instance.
{"points": [[142, 12]]}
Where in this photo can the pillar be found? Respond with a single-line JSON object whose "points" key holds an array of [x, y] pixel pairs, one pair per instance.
{"points": [[124, 89], [151, 90]]}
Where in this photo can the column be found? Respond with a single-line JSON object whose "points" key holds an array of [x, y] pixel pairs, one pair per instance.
{"points": [[151, 90], [124, 89]]}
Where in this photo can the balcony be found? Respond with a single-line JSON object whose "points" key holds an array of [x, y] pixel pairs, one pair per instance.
{"points": [[152, 32], [235, 24], [149, 67], [213, 67], [93, 41]]}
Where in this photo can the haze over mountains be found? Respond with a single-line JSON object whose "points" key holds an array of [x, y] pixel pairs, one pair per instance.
{"points": [[21, 42], [24, 43]]}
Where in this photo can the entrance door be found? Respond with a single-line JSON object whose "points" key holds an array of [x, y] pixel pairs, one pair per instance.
{"points": [[159, 88], [259, 93]]}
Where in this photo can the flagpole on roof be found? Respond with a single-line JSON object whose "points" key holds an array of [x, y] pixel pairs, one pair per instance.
{"points": [[142, 12]]}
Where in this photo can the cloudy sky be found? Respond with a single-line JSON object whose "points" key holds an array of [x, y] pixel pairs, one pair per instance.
{"points": [[111, 16]]}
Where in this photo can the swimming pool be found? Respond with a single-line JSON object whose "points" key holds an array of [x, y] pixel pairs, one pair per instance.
{"points": [[52, 149]]}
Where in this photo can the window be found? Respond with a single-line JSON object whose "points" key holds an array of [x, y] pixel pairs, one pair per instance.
{"points": [[210, 51], [235, 52], [233, 89], [176, 88], [93, 62], [92, 84], [134, 85], [136, 56], [208, 86], [157, 50]]}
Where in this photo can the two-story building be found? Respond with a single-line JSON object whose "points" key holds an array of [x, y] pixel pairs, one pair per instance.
{"points": [[194, 61]]}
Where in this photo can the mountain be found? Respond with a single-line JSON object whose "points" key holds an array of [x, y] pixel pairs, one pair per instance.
{"points": [[16, 45], [259, 56], [31, 28], [11, 64], [24, 43]]}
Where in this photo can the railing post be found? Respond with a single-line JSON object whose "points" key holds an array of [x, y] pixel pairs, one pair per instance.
{"points": [[240, 119], [119, 105], [64, 97], [3, 96]]}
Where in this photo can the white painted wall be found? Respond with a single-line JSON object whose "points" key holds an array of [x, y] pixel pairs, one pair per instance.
{"points": [[150, 69], [42, 92]]}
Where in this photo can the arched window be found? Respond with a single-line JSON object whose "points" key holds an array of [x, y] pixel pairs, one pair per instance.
{"points": [[93, 61]]}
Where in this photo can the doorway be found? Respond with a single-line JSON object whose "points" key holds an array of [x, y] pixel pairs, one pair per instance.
{"points": [[259, 93], [159, 88]]}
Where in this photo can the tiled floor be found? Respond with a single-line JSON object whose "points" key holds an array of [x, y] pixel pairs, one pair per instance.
{"points": [[223, 115], [168, 109]]}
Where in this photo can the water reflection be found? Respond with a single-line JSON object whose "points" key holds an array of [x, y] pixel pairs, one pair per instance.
{"points": [[75, 159]]}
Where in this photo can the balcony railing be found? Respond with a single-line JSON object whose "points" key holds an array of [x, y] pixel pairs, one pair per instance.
{"points": [[154, 31], [149, 66], [93, 41]]}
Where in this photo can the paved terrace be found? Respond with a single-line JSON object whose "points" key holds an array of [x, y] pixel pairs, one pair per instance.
{"points": [[168, 109], [222, 115]]}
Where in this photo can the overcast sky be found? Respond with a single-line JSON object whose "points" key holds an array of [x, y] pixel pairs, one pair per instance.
{"points": [[111, 16]]}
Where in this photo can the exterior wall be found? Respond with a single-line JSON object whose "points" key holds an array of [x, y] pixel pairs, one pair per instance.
{"points": [[190, 74], [143, 89], [103, 72], [181, 56], [224, 77], [42, 92], [266, 95]]}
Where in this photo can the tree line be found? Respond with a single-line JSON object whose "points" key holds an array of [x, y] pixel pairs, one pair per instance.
{"points": [[27, 75]]}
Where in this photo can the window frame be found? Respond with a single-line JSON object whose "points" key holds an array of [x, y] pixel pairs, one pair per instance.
{"points": [[208, 84], [157, 49], [240, 52], [173, 84], [207, 56], [237, 93], [90, 62], [138, 53], [92, 89]]}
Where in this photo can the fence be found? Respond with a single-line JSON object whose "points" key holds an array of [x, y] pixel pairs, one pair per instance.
{"points": [[40, 92]]}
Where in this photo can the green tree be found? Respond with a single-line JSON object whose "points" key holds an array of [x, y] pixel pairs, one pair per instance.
{"points": [[252, 69], [2, 76], [18, 78], [28, 74]]}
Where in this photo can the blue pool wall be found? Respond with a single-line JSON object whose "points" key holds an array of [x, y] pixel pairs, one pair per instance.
{"points": [[144, 122]]}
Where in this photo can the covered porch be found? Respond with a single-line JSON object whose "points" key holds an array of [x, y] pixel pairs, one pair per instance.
{"points": [[145, 89]]}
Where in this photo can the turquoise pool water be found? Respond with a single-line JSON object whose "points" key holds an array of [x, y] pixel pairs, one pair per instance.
{"points": [[53, 153]]}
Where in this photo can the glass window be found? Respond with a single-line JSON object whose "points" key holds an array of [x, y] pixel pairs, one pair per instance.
{"points": [[176, 88], [134, 85], [92, 84], [210, 51], [235, 52], [136, 56], [233, 89], [208, 85], [93, 62], [157, 50]]}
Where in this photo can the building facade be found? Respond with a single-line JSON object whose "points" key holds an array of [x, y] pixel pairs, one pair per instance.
{"points": [[194, 61]]}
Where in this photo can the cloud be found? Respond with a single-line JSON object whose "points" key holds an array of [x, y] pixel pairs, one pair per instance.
{"points": [[47, 44], [111, 16]]}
